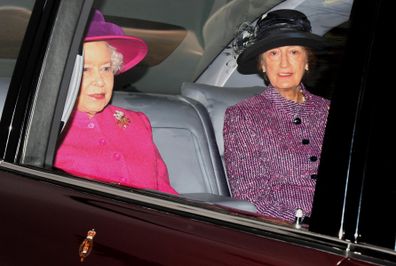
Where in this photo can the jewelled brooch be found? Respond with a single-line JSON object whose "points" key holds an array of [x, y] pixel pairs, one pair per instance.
{"points": [[122, 120]]}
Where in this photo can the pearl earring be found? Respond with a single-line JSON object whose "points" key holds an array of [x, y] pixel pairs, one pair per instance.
{"points": [[306, 67]]}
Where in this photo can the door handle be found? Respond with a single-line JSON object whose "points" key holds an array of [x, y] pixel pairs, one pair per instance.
{"points": [[87, 245]]}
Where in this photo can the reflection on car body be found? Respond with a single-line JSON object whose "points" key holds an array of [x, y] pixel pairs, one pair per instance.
{"points": [[184, 86]]}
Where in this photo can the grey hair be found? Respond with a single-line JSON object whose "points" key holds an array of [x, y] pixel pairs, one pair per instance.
{"points": [[117, 59]]}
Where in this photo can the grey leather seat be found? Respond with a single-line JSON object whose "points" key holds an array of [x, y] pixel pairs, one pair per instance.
{"points": [[216, 100], [184, 135]]}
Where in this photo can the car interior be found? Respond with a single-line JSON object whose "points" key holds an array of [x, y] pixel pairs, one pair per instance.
{"points": [[187, 126], [187, 129], [183, 132], [187, 122]]}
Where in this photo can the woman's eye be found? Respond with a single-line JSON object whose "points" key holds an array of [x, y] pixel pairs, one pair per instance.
{"points": [[107, 69]]}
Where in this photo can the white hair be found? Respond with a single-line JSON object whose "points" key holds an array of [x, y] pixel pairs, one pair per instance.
{"points": [[117, 59]]}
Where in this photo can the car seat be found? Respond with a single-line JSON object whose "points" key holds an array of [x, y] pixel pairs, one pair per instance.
{"points": [[216, 100], [183, 132]]}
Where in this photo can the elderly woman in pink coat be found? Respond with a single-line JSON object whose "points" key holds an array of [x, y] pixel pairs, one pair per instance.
{"points": [[104, 142]]}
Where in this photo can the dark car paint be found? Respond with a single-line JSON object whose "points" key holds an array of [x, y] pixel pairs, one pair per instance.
{"points": [[44, 223], [51, 221]]}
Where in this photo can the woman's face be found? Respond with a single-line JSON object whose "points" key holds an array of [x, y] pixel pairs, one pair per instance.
{"points": [[285, 66], [98, 78]]}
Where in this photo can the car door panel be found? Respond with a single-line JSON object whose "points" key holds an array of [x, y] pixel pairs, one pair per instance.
{"points": [[53, 221]]}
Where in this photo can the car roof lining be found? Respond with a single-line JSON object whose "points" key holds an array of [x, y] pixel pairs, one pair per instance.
{"points": [[161, 38]]}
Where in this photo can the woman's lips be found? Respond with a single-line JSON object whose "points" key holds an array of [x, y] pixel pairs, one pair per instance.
{"points": [[97, 96], [288, 74]]}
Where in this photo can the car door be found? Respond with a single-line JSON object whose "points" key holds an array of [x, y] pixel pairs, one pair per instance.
{"points": [[356, 149], [357, 189]]}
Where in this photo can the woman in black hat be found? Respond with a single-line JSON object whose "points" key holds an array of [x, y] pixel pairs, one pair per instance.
{"points": [[273, 140]]}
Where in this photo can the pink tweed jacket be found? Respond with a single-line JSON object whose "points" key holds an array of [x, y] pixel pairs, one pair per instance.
{"points": [[272, 150], [114, 146]]}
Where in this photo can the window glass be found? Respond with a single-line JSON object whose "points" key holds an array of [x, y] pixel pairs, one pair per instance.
{"points": [[183, 36], [183, 40], [14, 17]]}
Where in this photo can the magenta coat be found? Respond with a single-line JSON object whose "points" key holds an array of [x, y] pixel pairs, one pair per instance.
{"points": [[114, 146]]}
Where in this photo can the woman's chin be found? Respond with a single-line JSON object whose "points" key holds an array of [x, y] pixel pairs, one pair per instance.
{"points": [[91, 111], [284, 86]]}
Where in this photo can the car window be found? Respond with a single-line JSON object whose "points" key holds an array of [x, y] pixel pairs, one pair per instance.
{"points": [[14, 16], [197, 151], [182, 40], [174, 132]]}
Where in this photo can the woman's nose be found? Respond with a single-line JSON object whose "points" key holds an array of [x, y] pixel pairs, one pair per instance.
{"points": [[98, 78], [284, 60]]}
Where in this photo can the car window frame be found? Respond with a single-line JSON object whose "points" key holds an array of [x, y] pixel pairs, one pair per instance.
{"points": [[337, 208], [24, 78], [55, 75]]}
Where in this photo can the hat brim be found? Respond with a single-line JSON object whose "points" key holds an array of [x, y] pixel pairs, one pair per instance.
{"points": [[247, 60], [133, 49]]}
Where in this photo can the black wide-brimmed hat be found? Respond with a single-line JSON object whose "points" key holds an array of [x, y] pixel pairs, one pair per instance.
{"points": [[278, 28]]}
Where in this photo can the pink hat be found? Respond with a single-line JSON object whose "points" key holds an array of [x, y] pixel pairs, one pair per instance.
{"points": [[133, 49]]}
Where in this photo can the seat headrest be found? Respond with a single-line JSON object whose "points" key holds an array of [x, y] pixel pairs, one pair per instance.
{"points": [[216, 100]]}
